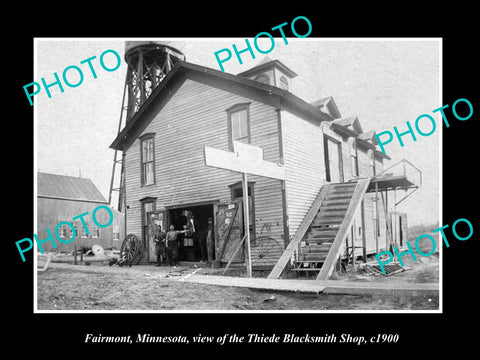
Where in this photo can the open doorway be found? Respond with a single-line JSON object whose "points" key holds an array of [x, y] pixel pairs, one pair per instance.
{"points": [[190, 250], [333, 159]]}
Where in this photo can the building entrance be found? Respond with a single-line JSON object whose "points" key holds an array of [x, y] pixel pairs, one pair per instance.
{"points": [[189, 249]]}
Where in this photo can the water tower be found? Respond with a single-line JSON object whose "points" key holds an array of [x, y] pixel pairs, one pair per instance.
{"points": [[148, 64]]}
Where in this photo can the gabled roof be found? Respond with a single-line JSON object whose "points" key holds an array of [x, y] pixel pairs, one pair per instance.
{"points": [[252, 89], [351, 127], [369, 136], [329, 105], [67, 188], [351, 123], [267, 63]]}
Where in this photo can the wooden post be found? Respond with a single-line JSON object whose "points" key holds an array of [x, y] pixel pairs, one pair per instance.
{"points": [[246, 221], [377, 223], [234, 254], [364, 239], [75, 255], [354, 236]]}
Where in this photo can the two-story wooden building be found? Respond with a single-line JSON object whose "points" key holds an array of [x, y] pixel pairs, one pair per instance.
{"points": [[195, 106]]}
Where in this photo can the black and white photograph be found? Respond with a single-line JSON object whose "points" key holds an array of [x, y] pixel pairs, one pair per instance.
{"points": [[336, 197], [225, 181]]}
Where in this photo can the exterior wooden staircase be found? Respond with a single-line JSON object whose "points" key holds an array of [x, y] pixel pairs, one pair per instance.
{"points": [[317, 243]]}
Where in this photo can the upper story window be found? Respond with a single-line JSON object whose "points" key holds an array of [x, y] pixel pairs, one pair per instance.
{"points": [[354, 160], [147, 159], [263, 78], [283, 83], [238, 124]]}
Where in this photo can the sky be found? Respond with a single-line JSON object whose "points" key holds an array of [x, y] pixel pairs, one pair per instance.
{"points": [[384, 82]]}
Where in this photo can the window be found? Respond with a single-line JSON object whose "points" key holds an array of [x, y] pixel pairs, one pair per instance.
{"points": [[283, 83], [238, 124], [84, 232], [76, 230], [147, 158], [116, 233], [264, 79], [62, 231], [353, 154], [95, 232]]}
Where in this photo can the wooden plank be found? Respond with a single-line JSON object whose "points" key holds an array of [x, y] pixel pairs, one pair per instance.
{"points": [[229, 230], [244, 161], [334, 253], [235, 254], [299, 234], [324, 286], [364, 239], [303, 286]]}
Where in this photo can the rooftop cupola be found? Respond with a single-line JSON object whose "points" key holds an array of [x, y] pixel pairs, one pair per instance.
{"points": [[271, 72]]}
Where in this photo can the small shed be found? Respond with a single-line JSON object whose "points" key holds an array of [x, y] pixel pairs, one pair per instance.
{"points": [[61, 198]]}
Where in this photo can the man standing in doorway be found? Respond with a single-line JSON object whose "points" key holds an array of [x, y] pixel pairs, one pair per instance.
{"points": [[210, 241], [171, 243], [159, 240]]}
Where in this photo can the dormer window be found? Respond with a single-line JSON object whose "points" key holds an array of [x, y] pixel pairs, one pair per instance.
{"points": [[263, 78]]}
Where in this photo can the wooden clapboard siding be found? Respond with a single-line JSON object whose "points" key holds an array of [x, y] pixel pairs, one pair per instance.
{"points": [[304, 166], [369, 223], [50, 212], [195, 116], [379, 166]]}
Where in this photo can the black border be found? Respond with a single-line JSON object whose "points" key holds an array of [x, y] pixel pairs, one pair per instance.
{"points": [[419, 333]]}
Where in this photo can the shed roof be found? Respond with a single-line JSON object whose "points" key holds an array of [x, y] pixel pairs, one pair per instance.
{"points": [[67, 188]]}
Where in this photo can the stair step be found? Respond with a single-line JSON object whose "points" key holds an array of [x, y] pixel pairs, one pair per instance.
{"points": [[342, 203], [323, 231], [309, 262], [347, 188], [338, 195], [313, 256], [318, 241], [324, 237], [325, 209], [331, 221], [306, 269], [344, 184], [330, 213], [316, 248]]}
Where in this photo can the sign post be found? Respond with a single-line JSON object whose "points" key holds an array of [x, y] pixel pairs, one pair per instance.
{"points": [[245, 159], [246, 221]]}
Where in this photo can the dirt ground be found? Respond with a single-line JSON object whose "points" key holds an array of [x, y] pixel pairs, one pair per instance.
{"points": [[146, 287]]}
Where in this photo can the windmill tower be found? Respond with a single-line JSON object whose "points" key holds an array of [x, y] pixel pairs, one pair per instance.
{"points": [[148, 64]]}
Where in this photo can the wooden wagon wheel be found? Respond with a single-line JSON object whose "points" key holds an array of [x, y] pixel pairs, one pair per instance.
{"points": [[265, 249], [131, 250]]}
